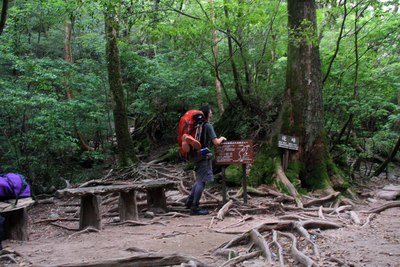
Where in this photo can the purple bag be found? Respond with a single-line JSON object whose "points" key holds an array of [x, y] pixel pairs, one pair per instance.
{"points": [[13, 186]]}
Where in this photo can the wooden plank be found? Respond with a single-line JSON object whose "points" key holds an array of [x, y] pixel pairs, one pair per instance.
{"points": [[125, 187], [9, 204]]}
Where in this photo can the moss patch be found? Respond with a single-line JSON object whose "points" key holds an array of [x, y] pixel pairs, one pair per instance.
{"points": [[264, 166], [233, 174]]}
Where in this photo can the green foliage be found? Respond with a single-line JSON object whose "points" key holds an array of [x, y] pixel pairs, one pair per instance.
{"points": [[168, 67], [234, 174], [264, 166], [292, 173]]}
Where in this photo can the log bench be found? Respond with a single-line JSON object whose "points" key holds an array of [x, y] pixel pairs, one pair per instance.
{"points": [[90, 207], [16, 218]]}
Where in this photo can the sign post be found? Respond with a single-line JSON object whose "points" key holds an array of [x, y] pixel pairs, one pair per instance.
{"points": [[288, 143], [235, 152]]}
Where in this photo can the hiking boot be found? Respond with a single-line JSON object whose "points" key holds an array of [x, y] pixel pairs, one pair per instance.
{"points": [[189, 202], [198, 211]]}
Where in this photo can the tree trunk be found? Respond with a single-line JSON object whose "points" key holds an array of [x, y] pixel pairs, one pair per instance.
{"points": [[302, 113], [68, 29], [216, 66], [126, 149], [3, 18]]}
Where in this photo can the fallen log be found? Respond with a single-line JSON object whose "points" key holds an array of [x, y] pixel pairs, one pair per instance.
{"points": [[143, 260]]}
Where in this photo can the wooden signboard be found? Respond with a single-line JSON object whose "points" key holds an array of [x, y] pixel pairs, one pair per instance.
{"points": [[235, 152], [288, 142]]}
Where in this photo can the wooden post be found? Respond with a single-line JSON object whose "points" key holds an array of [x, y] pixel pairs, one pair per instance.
{"points": [[156, 199], [90, 211], [286, 160], [16, 224], [127, 206], [244, 183], [224, 198]]}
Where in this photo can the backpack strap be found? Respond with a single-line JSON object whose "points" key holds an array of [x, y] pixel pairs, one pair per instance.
{"points": [[203, 136]]}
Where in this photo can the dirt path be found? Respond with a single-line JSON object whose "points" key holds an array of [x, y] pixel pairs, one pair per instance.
{"points": [[375, 244]]}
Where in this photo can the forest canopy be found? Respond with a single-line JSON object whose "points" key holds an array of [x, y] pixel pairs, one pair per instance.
{"points": [[58, 101]]}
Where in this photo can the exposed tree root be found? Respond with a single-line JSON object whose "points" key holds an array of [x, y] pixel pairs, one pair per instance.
{"points": [[55, 220], [385, 206], [298, 226], [279, 247], [86, 230], [320, 201], [8, 257], [65, 227], [297, 254], [173, 234], [260, 242], [281, 176], [241, 258], [224, 210]]}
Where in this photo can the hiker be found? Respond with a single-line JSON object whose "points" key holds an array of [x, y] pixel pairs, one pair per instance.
{"points": [[204, 171]]}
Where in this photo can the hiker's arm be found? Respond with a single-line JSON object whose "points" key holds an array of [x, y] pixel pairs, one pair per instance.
{"points": [[218, 141]]}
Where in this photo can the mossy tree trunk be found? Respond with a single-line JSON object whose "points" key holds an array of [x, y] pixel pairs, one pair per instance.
{"points": [[302, 112], [126, 149]]}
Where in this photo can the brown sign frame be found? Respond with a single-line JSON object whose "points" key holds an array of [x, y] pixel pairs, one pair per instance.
{"points": [[234, 152]]}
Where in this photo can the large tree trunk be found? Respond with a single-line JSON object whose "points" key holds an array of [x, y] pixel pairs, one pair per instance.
{"points": [[302, 113], [216, 64], [126, 149], [3, 18]]}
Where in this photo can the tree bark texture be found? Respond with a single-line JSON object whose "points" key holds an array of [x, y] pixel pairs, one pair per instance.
{"points": [[68, 29], [303, 108], [90, 214], [3, 18], [220, 102], [126, 149]]}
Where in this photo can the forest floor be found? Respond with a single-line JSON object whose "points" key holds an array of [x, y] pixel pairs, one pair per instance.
{"points": [[55, 241]]}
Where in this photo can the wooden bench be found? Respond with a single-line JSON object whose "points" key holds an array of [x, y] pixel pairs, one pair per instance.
{"points": [[90, 207], [16, 224]]}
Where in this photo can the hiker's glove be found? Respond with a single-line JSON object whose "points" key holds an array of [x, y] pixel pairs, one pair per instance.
{"points": [[205, 151]]}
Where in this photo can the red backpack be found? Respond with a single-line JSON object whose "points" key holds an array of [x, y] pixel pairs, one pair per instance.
{"points": [[190, 128]]}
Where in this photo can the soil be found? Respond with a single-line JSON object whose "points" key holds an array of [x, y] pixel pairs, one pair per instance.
{"points": [[375, 241]]}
